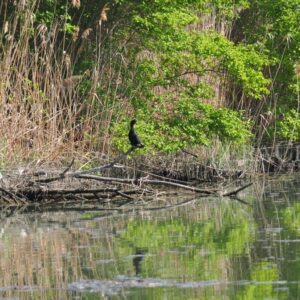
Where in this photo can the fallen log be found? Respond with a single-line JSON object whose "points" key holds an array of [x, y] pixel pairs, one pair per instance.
{"points": [[80, 185], [234, 192], [146, 181]]}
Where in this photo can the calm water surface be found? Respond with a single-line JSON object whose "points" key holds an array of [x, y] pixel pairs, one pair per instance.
{"points": [[210, 249]]}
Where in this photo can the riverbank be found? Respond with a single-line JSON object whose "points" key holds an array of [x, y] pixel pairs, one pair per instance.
{"points": [[201, 164], [68, 186], [132, 176]]}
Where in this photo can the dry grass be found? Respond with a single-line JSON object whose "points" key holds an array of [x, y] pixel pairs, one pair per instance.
{"points": [[46, 112]]}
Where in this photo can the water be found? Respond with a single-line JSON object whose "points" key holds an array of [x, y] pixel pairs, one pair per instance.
{"points": [[210, 249]]}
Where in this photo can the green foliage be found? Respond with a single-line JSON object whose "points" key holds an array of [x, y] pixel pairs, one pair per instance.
{"points": [[289, 127], [192, 123], [178, 51], [169, 53], [198, 123], [274, 27]]}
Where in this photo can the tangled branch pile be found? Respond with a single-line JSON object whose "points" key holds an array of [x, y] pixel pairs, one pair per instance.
{"points": [[85, 187]]}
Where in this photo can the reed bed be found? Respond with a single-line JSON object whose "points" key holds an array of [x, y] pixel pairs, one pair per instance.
{"points": [[47, 110]]}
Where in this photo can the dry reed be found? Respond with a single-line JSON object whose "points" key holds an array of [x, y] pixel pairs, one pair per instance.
{"points": [[47, 111]]}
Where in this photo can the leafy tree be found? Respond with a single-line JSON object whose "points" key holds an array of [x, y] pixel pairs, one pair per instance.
{"points": [[273, 26], [171, 62]]}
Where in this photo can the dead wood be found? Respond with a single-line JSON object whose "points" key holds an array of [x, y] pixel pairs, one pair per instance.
{"points": [[43, 194], [79, 191], [234, 192], [147, 173], [78, 173], [142, 181], [124, 195], [67, 168], [12, 196], [84, 187], [107, 166]]}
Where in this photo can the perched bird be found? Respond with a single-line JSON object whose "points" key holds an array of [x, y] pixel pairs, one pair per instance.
{"points": [[133, 137]]}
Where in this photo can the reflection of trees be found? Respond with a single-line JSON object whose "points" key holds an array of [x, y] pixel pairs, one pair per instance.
{"points": [[198, 246], [185, 243], [137, 260], [262, 276], [213, 240], [289, 245], [54, 252], [275, 252]]}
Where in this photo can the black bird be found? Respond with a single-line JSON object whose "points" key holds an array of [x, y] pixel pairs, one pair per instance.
{"points": [[133, 137]]}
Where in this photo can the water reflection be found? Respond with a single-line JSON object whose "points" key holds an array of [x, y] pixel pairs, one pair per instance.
{"points": [[212, 249], [137, 260]]}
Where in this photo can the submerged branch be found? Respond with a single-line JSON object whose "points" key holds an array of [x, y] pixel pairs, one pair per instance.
{"points": [[232, 193]]}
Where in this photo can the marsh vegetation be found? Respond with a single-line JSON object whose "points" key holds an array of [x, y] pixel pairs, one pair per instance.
{"points": [[205, 77]]}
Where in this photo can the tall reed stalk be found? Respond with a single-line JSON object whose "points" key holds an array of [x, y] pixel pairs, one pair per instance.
{"points": [[46, 109]]}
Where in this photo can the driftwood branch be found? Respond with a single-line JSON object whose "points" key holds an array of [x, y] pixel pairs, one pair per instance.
{"points": [[12, 196], [142, 181], [233, 193], [240, 200], [53, 189], [35, 193], [67, 168], [107, 166], [93, 170]]}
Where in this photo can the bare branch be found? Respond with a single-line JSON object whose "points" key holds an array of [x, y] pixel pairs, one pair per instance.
{"points": [[229, 194], [142, 181]]}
